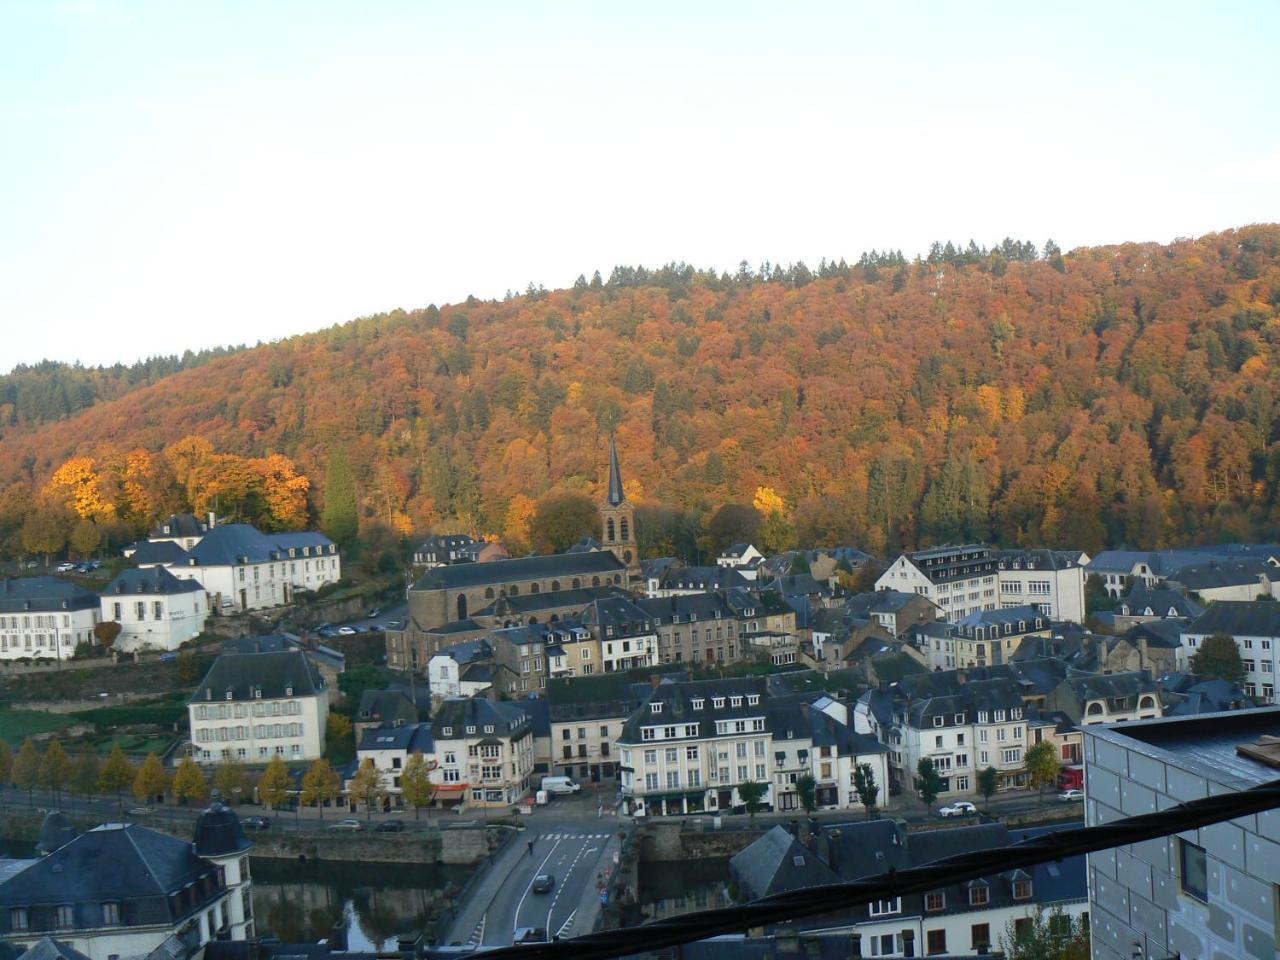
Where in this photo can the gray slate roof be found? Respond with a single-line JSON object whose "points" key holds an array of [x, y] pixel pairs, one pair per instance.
{"points": [[43, 595], [272, 673], [158, 551], [412, 738], [777, 863], [149, 580], [1240, 618], [465, 575]]}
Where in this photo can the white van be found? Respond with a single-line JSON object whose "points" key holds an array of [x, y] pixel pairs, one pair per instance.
{"points": [[555, 785]]}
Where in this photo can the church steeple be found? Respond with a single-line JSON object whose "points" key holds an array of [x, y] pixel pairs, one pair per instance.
{"points": [[618, 518], [616, 496]]}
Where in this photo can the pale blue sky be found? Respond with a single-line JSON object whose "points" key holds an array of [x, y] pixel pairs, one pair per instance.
{"points": [[181, 174]]}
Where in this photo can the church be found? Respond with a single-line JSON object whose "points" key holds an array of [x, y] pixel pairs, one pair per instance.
{"points": [[476, 594]]}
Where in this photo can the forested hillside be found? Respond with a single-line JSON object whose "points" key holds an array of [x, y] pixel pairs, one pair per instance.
{"points": [[1116, 395]]}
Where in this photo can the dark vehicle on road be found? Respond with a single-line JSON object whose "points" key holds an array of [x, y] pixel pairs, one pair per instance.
{"points": [[530, 935], [390, 826], [543, 883], [256, 823]]}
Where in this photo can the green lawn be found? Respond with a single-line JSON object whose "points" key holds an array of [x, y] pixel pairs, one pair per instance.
{"points": [[17, 725]]}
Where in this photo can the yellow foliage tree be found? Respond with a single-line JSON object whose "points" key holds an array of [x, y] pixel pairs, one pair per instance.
{"points": [[78, 484], [768, 501], [284, 491]]}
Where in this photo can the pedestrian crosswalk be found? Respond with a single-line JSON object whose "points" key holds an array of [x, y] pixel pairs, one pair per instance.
{"points": [[477, 935], [573, 836]]}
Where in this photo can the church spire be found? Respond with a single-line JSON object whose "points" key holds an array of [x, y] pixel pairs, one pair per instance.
{"points": [[616, 496]]}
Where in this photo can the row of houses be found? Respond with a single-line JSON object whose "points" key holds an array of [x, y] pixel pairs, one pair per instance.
{"points": [[186, 572]]}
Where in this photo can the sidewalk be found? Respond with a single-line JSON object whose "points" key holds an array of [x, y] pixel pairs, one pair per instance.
{"points": [[481, 896], [589, 907]]}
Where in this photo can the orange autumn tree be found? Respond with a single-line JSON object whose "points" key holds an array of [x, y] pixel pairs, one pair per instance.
{"points": [[78, 484]]}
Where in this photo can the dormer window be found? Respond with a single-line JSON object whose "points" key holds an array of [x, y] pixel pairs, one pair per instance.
{"points": [[959, 719], [717, 702], [979, 895], [1022, 889], [753, 699], [655, 707], [939, 721], [446, 731], [698, 702], [288, 691], [471, 728], [999, 716], [229, 693], [1015, 713], [983, 716]]}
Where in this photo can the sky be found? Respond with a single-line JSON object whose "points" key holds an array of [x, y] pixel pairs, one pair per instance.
{"points": [[180, 175]]}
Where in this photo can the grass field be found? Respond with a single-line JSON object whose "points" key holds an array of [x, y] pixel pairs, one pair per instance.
{"points": [[17, 725]]}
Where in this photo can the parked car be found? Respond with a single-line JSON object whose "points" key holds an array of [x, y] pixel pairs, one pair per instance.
{"points": [[139, 811], [255, 823], [349, 825], [961, 808], [65, 567], [1071, 796], [390, 826], [560, 785], [543, 883], [347, 631], [375, 612], [394, 624]]}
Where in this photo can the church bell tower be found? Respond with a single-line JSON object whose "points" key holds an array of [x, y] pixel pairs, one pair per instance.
{"points": [[618, 518]]}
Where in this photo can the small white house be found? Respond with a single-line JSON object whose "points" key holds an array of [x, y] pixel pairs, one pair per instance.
{"points": [[461, 669], [155, 610], [742, 557]]}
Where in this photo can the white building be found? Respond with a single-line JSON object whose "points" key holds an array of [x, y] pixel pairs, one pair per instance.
{"points": [[485, 752], [1255, 625], [968, 579], [255, 706], [43, 618], [122, 890], [183, 529], [243, 569], [155, 610], [1207, 893], [389, 747], [743, 557], [627, 635], [461, 669]]}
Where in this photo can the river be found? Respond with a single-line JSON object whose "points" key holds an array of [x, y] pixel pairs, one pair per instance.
{"points": [[302, 901]]}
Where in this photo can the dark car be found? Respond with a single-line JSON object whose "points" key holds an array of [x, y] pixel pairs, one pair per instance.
{"points": [[543, 883], [390, 826], [530, 935], [255, 823]]}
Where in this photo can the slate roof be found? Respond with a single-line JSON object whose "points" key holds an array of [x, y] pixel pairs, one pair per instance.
{"points": [[1162, 602], [46, 948], [944, 564], [218, 832], [386, 707], [585, 545], [1026, 614], [465, 575], [127, 863], [230, 544], [468, 651], [158, 551], [1215, 574], [680, 609], [150, 580], [616, 494], [1036, 559], [677, 704], [526, 603], [1187, 695], [180, 525], [243, 674], [1239, 618], [735, 550], [619, 613], [1166, 634], [317, 652], [412, 738], [44, 594], [457, 713], [776, 863], [702, 578], [302, 539]]}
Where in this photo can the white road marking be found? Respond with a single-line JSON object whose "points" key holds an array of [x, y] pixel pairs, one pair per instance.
{"points": [[530, 887], [565, 926], [560, 887]]}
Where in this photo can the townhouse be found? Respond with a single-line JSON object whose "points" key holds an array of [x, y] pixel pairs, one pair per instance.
{"points": [[461, 669], [587, 715], [389, 748], [1051, 581], [155, 610], [254, 706], [43, 618], [625, 633], [895, 610], [1107, 698], [992, 636], [1255, 626], [696, 627], [573, 651], [484, 750], [678, 580]]}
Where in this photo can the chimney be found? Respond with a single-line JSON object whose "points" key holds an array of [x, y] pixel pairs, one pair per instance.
{"points": [[213, 519], [655, 680], [804, 710]]}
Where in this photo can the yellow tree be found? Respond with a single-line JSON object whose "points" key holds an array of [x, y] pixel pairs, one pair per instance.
{"points": [[6, 763], [117, 774], [189, 782], [415, 782], [273, 788], [189, 459], [231, 779], [152, 781], [321, 784], [55, 768], [78, 484], [284, 492], [367, 787], [26, 768]]}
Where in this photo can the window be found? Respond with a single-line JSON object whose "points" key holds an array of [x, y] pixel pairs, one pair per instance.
{"points": [[698, 702], [880, 908], [655, 707], [111, 913], [979, 896], [934, 902], [981, 935], [651, 756], [1194, 871], [18, 919], [651, 781], [64, 918], [935, 941], [1011, 756], [717, 702], [938, 721], [1022, 889], [672, 754]]}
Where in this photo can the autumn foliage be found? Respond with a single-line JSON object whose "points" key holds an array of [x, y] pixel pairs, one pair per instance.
{"points": [[1116, 395]]}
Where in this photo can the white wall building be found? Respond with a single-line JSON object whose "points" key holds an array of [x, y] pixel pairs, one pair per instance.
{"points": [[155, 610], [43, 618], [1255, 625], [461, 669], [1052, 581], [389, 747], [485, 752], [255, 706]]}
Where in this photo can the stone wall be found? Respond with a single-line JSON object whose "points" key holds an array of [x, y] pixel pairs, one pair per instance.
{"points": [[661, 841]]}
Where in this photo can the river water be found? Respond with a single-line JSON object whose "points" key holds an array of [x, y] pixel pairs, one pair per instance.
{"points": [[302, 901]]}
